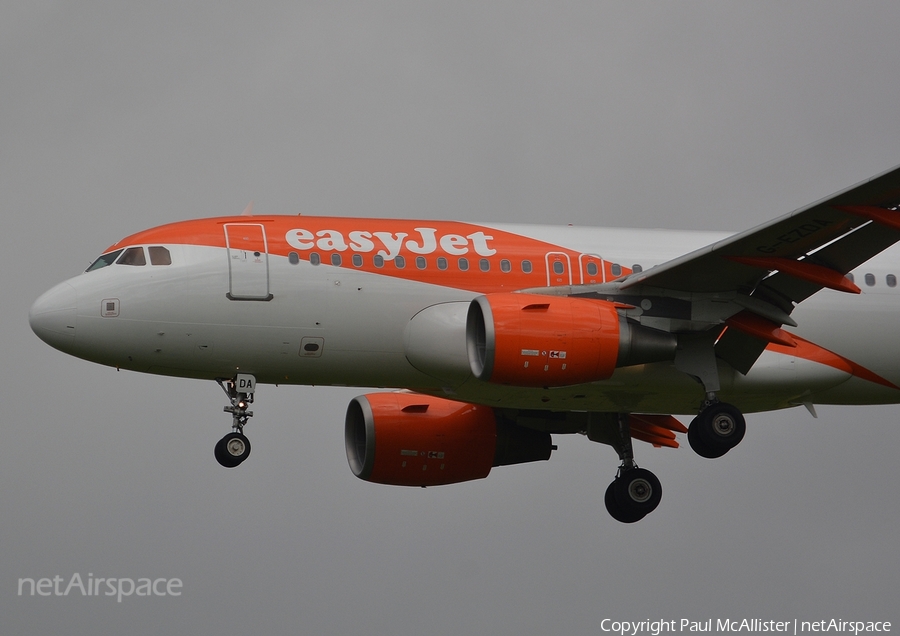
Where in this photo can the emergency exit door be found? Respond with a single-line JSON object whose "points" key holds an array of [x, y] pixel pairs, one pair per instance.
{"points": [[559, 269]]}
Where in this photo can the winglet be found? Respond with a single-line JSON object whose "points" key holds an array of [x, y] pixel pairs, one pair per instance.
{"points": [[248, 211]]}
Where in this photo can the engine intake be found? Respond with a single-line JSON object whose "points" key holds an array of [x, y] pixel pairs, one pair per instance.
{"points": [[533, 340], [406, 439]]}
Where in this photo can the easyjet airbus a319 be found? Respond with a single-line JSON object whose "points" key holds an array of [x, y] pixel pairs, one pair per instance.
{"points": [[500, 336]]}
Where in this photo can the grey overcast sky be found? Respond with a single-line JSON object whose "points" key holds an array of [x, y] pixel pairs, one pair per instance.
{"points": [[115, 117]]}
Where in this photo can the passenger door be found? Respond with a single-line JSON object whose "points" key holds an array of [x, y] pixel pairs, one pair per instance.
{"points": [[248, 261]]}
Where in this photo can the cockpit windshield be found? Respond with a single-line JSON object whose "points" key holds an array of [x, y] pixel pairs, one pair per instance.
{"points": [[159, 255], [134, 256], [107, 259]]}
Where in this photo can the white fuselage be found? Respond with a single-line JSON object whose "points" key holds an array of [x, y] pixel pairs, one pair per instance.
{"points": [[341, 325]]}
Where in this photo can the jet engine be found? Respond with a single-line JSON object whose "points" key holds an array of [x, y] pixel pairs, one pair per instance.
{"points": [[407, 439], [540, 341]]}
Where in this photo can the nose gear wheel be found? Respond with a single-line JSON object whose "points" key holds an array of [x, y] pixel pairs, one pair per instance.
{"points": [[234, 448]]}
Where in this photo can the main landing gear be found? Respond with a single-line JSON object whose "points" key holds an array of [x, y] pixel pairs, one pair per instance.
{"points": [[719, 427], [716, 430], [234, 448], [635, 492]]}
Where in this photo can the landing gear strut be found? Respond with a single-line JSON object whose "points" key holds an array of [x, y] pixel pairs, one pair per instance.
{"points": [[234, 448], [719, 427], [635, 492]]}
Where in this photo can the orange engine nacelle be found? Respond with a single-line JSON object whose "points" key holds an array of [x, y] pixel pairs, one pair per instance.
{"points": [[532, 340], [406, 439]]}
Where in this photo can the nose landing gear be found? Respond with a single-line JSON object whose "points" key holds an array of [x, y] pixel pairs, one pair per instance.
{"points": [[234, 448]]}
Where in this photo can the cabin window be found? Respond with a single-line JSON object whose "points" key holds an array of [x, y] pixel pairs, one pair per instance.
{"points": [[400, 262], [592, 269], [378, 260], [357, 260], [293, 258], [870, 280], [558, 267], [314, 259], [103, 261], [505, 266], [526, 267], [484, 265], [616, 269], [636, 268], [336, 259], [850, 276], [441, 262], [891, 280], [420, 262], [133, 256], [159, 255], [463, 264]]}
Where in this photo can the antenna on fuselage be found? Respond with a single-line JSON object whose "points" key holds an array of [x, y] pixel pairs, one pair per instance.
{"points": [[248, 211]]}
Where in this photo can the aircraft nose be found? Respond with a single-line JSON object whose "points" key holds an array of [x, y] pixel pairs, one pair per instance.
{"points": [[52, 316]]}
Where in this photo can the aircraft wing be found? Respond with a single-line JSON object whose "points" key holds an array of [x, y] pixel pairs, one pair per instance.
{"points": [[838, 233], [751, 281]]}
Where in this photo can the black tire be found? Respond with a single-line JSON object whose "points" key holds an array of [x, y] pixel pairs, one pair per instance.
{"points": [[232, 450], [726, 425], [616, 511], [719, 428], [699, 443], [638, 490]]}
